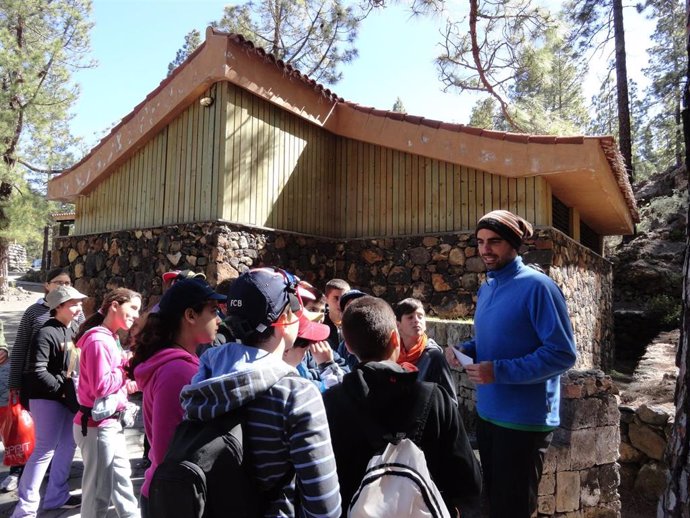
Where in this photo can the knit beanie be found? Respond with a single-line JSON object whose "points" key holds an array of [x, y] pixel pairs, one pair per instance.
{"points": [[510, 227]]}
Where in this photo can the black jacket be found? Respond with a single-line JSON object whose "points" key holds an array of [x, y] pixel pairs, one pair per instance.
{"points": [[43, 377], [383, 391]]}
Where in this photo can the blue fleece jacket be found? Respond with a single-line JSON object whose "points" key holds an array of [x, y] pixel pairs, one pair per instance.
{"points": [[522, 325]]}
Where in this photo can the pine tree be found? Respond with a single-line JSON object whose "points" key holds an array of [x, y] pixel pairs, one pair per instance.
{"points": [[314, 36], [192, 41], [41, 43], [398, 106], [667, 63], [547, 91]]}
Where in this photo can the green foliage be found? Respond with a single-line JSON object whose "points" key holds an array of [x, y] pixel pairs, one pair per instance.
{"points": [[41, 43], [192, 41], [314, 36], [666, 309], [398, 106], [659, 210], [29, 212], [661, 140], [480, 52], [545, 96], [547, 91]]}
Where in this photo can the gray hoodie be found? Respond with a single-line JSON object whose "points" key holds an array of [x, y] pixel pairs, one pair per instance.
{"points": [[286, 425]]}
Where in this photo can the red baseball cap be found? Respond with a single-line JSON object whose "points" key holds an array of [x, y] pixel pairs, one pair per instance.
{"points": [[312, 331]]}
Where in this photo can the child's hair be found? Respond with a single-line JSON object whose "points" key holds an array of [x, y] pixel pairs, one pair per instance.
{"points": [[336, 284], [56, 272], [157, 333], [367, 326], [407, 306], [119, 295]]}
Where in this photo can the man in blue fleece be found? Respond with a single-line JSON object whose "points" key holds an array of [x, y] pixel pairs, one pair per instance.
{"points": [[523, 342]]}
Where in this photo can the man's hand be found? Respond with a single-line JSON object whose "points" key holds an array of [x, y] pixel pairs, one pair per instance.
{"points": [[322, 352], [451, 358], [481, 373], [3, 356]]}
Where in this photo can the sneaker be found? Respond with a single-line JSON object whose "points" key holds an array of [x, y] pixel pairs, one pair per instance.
{"points": [[10, 483], [72, 502]]}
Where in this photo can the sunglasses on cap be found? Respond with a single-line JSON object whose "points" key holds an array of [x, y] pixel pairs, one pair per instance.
{"points": [[294, 298]]}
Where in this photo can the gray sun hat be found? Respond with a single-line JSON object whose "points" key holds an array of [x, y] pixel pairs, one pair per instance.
{"points": [[62, 294]]}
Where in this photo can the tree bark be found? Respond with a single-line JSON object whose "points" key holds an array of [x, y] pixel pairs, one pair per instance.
{"points": [[624, 135], [675, 501]]}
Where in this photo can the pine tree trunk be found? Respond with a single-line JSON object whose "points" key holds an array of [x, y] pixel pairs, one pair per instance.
{"points": [[675, 502], [4, 266], [624, 135]]}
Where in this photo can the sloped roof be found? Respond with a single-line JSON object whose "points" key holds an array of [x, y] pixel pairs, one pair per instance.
{"points": [[584, 172]]}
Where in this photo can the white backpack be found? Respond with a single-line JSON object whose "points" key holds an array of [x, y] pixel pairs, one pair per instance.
{"points": [[397, 483]]}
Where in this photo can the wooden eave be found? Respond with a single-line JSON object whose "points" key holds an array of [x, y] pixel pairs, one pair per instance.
{"points": [[584, 172]]}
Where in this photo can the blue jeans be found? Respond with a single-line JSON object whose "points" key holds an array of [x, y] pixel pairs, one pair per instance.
{"points": [[54, 441]]}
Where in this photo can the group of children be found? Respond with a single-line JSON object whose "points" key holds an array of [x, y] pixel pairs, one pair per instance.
{"points": [[315, 373]]}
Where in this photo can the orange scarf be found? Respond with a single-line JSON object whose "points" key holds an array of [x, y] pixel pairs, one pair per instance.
{"points": [[415, 352]]}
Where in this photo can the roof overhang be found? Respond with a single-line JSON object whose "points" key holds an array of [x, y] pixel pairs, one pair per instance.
{"points": [[584, 172]]}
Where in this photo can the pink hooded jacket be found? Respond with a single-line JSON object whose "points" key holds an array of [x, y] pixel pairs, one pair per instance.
{"points": [[161, 379], [101, 371]]}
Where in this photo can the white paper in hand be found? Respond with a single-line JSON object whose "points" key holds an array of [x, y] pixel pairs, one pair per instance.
{"points": [[462, 357]]}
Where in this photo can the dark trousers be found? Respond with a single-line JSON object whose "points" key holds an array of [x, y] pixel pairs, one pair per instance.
{"points": [[512, 462]]}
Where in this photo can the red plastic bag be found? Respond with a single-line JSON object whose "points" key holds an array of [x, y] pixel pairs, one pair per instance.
{"points": [[17, 432]]}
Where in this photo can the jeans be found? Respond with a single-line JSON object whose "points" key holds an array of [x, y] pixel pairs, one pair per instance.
{"points": [[54, 441], [107, 473]]}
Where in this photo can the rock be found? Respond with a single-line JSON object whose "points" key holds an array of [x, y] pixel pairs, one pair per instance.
{"points": [[72, 255], [567, 491], [646, 440], [651, 481], [475, 264], [174, 258], [629, 454], [419, 255], [456, 257], [439, 282], [371, 255], [653, 415]]}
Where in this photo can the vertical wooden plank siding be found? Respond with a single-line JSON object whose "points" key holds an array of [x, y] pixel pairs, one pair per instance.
{"points": [[247, 161]]}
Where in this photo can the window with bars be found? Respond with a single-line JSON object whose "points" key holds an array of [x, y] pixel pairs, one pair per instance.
{"points": [[589, 238], [561, 216]]}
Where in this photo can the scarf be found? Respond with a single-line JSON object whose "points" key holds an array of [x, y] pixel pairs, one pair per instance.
{"points": [[415, 352]]}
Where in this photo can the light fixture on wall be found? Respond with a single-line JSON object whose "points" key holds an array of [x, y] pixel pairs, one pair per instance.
{"points": [[206, 101]]}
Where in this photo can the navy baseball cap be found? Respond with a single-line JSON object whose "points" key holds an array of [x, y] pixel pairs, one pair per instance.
{"points": [[258, 297], [187, 293]]}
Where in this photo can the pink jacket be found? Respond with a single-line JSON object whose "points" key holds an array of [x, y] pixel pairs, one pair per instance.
{"points": [[161, 379], [101, 371]]}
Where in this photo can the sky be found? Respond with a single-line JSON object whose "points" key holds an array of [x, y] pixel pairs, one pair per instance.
{"points": [[133, 41]]}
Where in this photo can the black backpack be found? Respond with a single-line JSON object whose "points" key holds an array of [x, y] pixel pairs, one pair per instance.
{"points": [[205, 473]]}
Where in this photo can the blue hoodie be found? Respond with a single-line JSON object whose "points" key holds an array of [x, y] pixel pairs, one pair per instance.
{"points": [[522, 325]]}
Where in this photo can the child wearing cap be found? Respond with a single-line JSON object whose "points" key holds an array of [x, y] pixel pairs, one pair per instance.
{"points": [[312, 355], [45, 385], [32, 320], [165, 360], [286, 429]]}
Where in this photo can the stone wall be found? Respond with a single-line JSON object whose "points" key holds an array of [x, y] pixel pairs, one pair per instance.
{"points": [[644, 433], [444, 271], [581, 475]]}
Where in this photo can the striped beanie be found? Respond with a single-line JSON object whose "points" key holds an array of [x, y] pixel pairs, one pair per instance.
{"points": [[510, 227]]}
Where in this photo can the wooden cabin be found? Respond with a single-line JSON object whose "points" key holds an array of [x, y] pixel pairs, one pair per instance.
{"points": [[235, 137]]}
